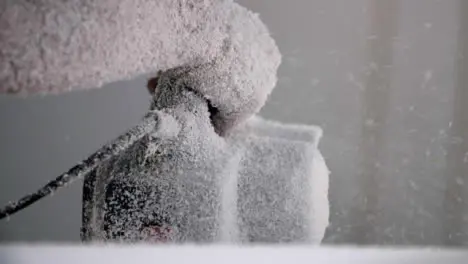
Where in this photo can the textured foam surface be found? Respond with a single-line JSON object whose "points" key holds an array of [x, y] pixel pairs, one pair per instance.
{"points": [[53, 46]]}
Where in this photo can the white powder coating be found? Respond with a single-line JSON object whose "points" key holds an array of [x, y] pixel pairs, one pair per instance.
{"points": [[282, 183], [163, 181], [51, 46], [265, 182]]}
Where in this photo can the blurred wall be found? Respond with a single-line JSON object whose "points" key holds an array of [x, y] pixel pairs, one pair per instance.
{"points": [[384, 78]]}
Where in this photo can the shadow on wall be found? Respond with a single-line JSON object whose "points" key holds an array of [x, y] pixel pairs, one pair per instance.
{"points": [[376, 103], [456, 193], [385, 212]]}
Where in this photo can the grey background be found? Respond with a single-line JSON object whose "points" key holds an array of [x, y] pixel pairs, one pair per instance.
{"points": [[385, 79]]}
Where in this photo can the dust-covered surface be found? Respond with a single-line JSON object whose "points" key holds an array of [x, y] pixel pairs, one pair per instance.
{"points": [[49, 47], [265, 182], [184, 182], [174, 176], [283, 182]]}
